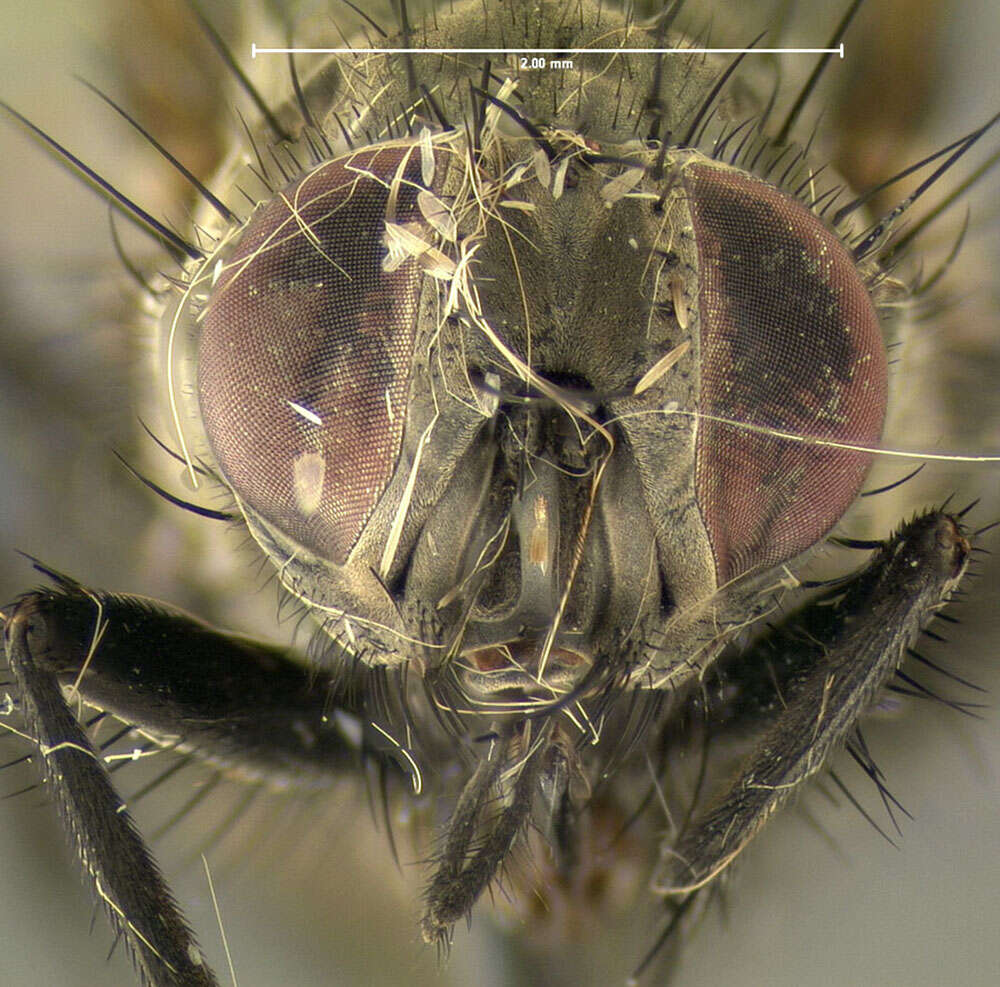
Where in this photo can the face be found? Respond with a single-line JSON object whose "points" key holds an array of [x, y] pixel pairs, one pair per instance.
{"points": [[69, 397]]}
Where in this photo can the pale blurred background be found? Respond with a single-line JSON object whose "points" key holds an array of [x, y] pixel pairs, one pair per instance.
{"points": [[820, 898]]}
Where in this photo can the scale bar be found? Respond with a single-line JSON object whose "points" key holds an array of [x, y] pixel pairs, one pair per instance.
{"points": [[255, 51]]}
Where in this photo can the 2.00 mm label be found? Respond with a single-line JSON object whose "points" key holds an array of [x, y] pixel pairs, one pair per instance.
{"points": [[541, 62]]}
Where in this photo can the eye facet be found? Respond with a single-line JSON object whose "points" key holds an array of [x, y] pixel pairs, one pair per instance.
{"points": [[791, 343], [305, 352]]}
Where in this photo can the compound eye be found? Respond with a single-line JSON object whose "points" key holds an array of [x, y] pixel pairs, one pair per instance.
{"points": [[792, 349], [304, 358]]}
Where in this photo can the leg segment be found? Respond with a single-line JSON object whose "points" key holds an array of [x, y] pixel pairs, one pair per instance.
{"points": [[244, 706], [825, 667]]}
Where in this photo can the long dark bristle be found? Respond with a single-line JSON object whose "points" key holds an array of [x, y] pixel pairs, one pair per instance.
{"points": [[522, 121], [934, 666], [239, 75], [217, 204], [893, 485], [147, 223], [917, 228], [866, 815], [870, 193], [205, 512], [655, 103], [713, 94], [817, 73], [867, 244], [361, 13]]}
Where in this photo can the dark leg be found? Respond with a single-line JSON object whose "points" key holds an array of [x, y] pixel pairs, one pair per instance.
{"points": [[816, 676], [243, 706]]}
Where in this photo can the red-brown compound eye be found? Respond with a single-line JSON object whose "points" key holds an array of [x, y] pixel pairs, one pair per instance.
{"points": [[304, 359], [790, 342]]}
